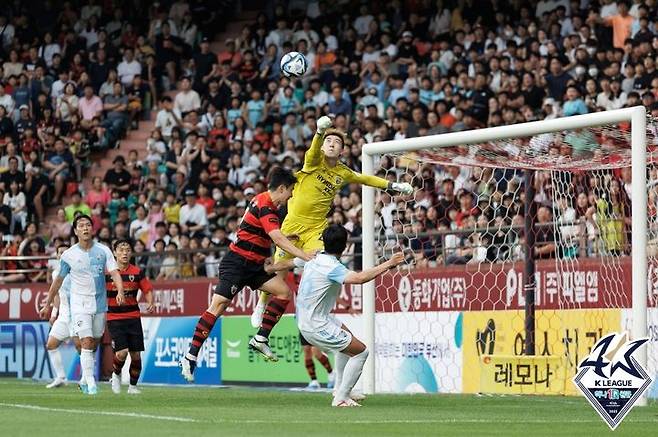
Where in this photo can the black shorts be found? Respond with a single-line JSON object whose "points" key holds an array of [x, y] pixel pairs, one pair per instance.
{"points": [[126, 334], [303, 341], [237, 272]]}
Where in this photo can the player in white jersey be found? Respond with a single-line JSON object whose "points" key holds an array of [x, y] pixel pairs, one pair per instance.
{"points": [[61, 330], [86, 262], [316, 297]]}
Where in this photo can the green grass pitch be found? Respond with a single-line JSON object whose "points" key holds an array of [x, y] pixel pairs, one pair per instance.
{"points": [[28, 409]]}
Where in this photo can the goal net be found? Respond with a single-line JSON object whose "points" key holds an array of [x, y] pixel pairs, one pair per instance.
{"points": [[552, 208]]}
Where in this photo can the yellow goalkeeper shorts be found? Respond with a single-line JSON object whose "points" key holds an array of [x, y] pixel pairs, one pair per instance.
{"points": [[309, 238]]}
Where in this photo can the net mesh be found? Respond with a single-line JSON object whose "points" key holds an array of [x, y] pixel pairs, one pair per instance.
{"points": [[458, 305]]}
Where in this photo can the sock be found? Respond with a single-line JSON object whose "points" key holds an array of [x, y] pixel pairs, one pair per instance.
{"points": [[324, 360], [56, 361], [201, 332], [262, 298], [273, 312], [88, 362], [351, 374], [310, 368], [118, 365], [135, 371], [341, 361]]}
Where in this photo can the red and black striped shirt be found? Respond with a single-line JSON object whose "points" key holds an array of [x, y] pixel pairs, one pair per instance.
{"points": [[253, 241], [133, 280]]}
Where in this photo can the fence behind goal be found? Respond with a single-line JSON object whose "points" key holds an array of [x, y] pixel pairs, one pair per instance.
{"points": [[544, 206]]}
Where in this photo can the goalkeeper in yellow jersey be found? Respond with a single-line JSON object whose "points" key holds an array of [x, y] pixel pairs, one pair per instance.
{"points": [[321, 177]]}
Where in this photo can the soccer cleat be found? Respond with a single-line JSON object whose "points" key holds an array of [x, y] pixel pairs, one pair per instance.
{"points": [[187, 369], [57, 382], [345, 403], [92, 390], [331, 380], [133, 390], [263, 348], [83, 388], [116, 383], [257, 315], [313, 385], [355, 396]]}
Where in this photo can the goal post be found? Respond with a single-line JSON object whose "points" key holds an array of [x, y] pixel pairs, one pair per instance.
{"points": [[637, 118]]}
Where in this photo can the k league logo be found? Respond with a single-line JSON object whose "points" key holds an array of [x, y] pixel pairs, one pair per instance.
{"points": [[611, 379]]}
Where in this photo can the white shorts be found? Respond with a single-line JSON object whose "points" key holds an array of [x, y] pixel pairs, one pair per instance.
{"points": [[330, 338], [88, 325], [62, 329]]}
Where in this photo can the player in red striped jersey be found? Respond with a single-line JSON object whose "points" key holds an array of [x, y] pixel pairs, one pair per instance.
{"points": [[124, 321], [244, 264]]}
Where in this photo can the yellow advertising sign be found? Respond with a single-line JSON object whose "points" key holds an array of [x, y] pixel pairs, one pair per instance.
{"points": [[567, 335], [522, 374]]}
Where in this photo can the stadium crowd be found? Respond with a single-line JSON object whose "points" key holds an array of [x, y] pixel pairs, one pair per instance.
{"points": [[75, 79]]}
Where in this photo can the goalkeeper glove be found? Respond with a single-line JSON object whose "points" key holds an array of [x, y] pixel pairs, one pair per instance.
{"points": [[324, 123], [404, 188]]}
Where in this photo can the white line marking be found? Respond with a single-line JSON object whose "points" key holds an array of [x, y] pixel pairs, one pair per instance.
{"points": [[100, 413], [444, 421]]}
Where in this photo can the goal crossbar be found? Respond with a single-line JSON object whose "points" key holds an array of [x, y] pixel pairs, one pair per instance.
{"points": [[637, 118]]}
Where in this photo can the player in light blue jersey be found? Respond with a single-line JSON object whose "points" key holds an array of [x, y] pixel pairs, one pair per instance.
{"points": [[62, 328], [86, 263], [318, 290]]}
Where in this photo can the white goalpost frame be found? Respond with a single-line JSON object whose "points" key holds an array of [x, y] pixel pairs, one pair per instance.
{"points": [[635, 115]]}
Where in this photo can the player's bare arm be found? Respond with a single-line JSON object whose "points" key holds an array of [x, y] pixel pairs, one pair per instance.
{"points": [[280, 240], [53, 314], [279, 266], [52, 291], [118, 282], [370, 274], [150, 303]]}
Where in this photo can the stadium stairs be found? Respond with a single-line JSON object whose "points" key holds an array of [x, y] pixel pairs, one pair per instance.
{"points": [[136, 139]]}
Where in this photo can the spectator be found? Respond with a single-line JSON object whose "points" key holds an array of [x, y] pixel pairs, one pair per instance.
{"points": [[7, 101], [90, 106], [557, 80], [187, 99], [117, 178], [193, 218], [621, 23], [574, 104], [76, 207], [58, 163], [116, 113], [170, 266], [36, 189], [139, 227], [12, 174], [98, 193], [128, 68], [15, 200]]}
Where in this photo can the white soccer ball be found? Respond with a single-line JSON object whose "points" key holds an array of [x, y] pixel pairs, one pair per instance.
{"points": [[294, 64]]}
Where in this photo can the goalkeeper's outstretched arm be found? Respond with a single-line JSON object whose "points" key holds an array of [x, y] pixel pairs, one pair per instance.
{"points": [[313, 156], [377, 182]]}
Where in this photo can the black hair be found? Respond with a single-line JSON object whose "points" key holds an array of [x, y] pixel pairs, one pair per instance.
{"points": [[121, 241], [335, 239], [280, 176], [81, 217]]}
